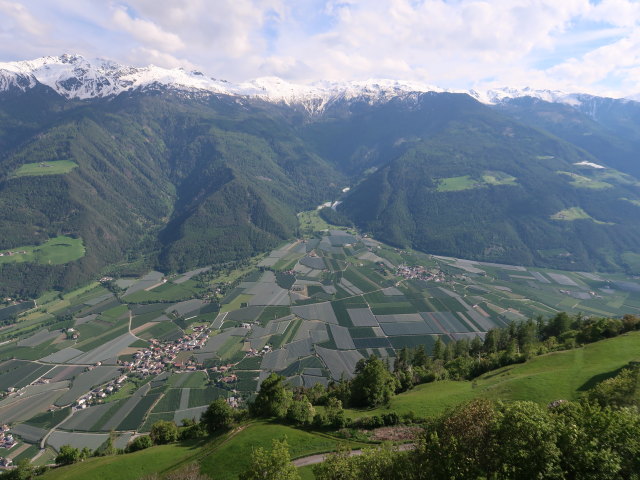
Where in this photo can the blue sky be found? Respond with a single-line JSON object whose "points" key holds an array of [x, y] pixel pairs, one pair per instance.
{"points": [[572, 45]]}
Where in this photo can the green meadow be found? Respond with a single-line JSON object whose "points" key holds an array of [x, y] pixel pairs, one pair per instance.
{"points": [[56, 167], [54, 251]]}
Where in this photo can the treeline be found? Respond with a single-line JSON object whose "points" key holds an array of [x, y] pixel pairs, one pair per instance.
{"points": [[596, 438], [376, 381], [466, 359]]}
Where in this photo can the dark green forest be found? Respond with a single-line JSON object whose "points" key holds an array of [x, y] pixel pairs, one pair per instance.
{"points": [[174, 181]]}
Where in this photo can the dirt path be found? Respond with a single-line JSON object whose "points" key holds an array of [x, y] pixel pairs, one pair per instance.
{"points": [[44, 439], [132, 331], [321, 457]]}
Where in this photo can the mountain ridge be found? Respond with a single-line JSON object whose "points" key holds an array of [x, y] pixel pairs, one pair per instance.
{"points": [[74, 77]]}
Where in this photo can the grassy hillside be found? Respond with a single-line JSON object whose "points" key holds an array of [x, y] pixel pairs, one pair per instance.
{"points": [[560, 375], [222, 459]]}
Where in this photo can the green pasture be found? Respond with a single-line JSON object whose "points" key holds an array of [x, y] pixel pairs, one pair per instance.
{"points": [[580, 181], [456, 184], [54, 251], [56, 167]]}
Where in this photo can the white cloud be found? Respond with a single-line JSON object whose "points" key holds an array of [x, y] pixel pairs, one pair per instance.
{"points": [[574, 44], [146, 31], [23, 18]]}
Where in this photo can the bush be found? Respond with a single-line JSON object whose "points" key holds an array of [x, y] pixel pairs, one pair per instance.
{"points": [[163, 432], [139, 443], [218, 416], [301, 412]]}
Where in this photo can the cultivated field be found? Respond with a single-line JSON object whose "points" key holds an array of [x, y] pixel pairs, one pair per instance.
{"points": [[309, 311]]}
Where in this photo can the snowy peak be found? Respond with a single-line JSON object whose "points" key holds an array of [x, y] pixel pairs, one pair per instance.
{"points": [[73, 76], [495, 96]]}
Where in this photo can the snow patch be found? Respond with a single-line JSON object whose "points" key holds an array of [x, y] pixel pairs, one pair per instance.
{"points": [[588, 164]]}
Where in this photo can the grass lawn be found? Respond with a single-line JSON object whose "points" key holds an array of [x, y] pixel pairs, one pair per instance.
{"points": [[128, 467], [56, 167], [235, 303], [47, 457], [233, 456], [455, 184], [222, 458], [559, 375], [167, 292], [54, 251], [573, 213], [311, 222], [498, 178], [306, 473], [580, 181]]}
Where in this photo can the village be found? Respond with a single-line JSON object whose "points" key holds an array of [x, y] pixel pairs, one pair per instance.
{"points": [[7, 442], [418, 272], [161, 357]]}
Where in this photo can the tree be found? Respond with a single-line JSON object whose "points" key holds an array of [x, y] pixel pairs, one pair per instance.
{"points": [[374, 464], [218, 416], [23, 471], [438, 349], [301, 412], [271, 465], [373, 384], [273, 399], [337, 466], [523, 442], [139, 443], [454, 445], [68, 455], [107, 448], [420, 358], [163, 431], [620, 391], [335, 413]]}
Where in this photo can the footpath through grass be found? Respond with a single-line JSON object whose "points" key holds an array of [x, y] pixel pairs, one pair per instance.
{"points": [[233, 457]]}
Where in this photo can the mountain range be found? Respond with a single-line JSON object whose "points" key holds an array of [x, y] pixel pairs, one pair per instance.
{"points": [[176, 170]]}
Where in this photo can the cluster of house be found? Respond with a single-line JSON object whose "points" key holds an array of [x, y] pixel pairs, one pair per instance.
{"points": [[98, 394], [420, 273], [72, 333], [9, 253], [7, 442], [161, 355], [259, 352]]}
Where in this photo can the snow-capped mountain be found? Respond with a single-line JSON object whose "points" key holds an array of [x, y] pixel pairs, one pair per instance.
{"points": [[495, 96], [73, 76]]}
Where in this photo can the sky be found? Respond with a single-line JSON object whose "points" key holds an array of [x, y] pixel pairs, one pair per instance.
{"points": [[571, 45]]}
